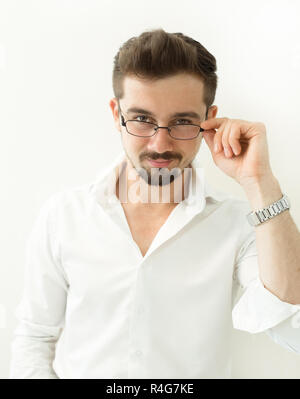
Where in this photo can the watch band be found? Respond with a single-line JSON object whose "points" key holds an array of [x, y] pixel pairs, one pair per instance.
{"points": [[262, 215]]}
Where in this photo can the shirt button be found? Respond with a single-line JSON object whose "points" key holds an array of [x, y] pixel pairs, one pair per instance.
{"points": [[139, 353]]}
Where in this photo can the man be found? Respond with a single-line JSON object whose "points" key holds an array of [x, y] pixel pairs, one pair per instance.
{"points": [[131, 287]]}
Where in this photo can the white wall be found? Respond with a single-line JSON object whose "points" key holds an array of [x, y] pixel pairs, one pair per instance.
{"points": [[56, 127]]}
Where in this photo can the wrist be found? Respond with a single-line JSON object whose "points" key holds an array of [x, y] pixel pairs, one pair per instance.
{"points": [[263, 192]]}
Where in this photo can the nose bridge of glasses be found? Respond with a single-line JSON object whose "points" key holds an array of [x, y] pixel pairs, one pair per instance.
{"points": [[162, 127]]}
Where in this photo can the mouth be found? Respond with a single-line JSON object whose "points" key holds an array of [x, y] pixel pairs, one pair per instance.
{"points": [[159, 163]]}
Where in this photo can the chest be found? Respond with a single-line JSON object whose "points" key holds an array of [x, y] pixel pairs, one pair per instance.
{"points": [[144, 226]]}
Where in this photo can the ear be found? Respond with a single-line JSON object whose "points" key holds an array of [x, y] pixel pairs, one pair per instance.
{"points": [[115, 111], [212, 112]]}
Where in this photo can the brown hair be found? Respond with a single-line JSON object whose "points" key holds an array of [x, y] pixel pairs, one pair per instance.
{"points": [[156, 54]]}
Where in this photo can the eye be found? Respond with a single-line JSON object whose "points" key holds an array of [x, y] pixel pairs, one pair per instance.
{"points": [[185, 120], [181, 121], [140, 116]]}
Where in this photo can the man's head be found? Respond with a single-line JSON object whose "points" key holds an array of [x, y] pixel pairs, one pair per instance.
{"points": [[163, 74]]}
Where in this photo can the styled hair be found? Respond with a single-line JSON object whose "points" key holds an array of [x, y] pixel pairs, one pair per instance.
{"points": [[156, 54]]}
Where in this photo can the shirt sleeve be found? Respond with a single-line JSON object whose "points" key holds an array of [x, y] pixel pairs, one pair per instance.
{"points": [[41, 311], [259, 310]]}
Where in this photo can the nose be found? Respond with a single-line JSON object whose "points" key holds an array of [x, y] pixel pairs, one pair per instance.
{"points": [[161, 141]]}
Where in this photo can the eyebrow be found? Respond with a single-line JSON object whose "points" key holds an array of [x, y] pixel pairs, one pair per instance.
{"points": [[191, 114]]}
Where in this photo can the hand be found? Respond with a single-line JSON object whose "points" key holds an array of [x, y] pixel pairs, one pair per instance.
{"points": [[246, 144]]}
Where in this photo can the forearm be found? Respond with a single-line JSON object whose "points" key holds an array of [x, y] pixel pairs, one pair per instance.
{"points": [[32, 358], [278, 243]]}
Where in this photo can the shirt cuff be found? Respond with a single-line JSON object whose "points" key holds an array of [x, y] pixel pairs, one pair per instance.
{"points": [[258, 309]]}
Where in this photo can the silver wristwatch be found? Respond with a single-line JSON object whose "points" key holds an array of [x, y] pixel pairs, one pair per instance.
{"points": [[262, 215]]}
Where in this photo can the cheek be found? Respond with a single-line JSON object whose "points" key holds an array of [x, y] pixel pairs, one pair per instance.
{"points": [[197, 144], [134, 146], [190, 148]]}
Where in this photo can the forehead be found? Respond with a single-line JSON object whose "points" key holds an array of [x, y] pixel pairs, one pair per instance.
{"points": [[178, 92]]}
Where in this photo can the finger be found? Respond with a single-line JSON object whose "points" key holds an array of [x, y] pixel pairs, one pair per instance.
{"points": [[208, 136], [213, 123], [227, 148], [218, 146], [234, 139]]}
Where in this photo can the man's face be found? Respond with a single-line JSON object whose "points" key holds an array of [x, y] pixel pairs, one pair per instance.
{"points": [[162, 98]]}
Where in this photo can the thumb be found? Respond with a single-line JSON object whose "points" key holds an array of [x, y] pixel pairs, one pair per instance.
{"points": [[208, 136]]}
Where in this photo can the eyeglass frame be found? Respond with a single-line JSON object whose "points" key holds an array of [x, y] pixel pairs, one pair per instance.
{"points": [[123, 123]]}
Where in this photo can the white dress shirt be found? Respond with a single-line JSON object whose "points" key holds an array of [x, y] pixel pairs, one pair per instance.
{"points": [[94, 307]]}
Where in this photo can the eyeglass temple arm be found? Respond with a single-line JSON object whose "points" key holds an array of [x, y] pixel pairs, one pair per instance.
{"points": [[121, 116], [202, 130]]}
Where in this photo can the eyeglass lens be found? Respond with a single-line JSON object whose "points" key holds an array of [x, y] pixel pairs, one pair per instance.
{"points": [[145, 129]]}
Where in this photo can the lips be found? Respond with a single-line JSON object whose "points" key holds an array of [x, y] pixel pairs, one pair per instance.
{"points": [[159, 163]]}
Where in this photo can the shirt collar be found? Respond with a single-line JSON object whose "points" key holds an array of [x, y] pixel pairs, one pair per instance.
{"points": [[103, 187]]}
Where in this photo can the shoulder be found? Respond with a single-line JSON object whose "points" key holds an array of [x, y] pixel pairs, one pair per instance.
{"points": [[75, 197]]}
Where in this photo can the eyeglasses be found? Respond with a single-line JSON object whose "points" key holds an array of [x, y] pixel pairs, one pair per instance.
{"points": [[185, 131]]}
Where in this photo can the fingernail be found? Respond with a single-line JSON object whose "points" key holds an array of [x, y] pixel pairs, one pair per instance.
{"points": [[227, 153], [216, 147]]}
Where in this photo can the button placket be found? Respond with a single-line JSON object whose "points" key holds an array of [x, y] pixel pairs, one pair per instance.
{"points": [[138, 329]]}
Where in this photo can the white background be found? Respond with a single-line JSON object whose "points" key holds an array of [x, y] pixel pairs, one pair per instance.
{"points": [[57, 130]]}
